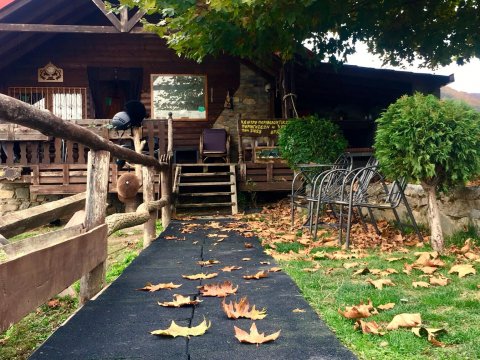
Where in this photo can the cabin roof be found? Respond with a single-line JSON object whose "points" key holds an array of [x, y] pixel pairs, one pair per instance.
{"points": [[16, 44]]}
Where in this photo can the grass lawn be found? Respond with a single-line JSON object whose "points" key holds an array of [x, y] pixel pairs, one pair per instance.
{"points": [[21, 339], [327, 281]]}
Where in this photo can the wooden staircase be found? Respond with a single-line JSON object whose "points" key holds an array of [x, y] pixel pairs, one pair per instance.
{"points": [[205, 186]]}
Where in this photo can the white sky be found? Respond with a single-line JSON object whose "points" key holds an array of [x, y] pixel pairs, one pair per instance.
{"points": [[467, 77]]}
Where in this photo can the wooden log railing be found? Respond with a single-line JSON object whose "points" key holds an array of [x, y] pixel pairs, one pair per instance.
{"points": [[36, 270], [23, 149]]}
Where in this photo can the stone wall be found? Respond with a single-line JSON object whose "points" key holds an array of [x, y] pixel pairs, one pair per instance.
{"points": [[250, 101], [16, 196], [458, 209]]}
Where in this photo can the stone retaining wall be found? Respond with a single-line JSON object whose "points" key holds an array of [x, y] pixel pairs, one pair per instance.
{"points": [[16, 196], [458, 209]]}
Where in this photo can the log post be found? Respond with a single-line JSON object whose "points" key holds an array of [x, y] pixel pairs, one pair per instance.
{"points": [[170, 135], [95, 211], [148, 196], [166, 194]]}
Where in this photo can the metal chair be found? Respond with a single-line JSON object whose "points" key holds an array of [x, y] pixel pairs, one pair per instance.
{"points": [[305, 179], [361, 195]]}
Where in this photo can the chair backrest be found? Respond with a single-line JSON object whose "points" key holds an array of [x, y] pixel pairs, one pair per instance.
{"points": [[344, 161], [215, 140]]}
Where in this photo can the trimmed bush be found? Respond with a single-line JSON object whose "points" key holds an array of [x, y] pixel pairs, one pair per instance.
{"points": [[311, 140]]}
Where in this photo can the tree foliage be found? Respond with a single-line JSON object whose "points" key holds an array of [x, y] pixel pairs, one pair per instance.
{"points": [[311, 139], [437, 32], [429, 140]]}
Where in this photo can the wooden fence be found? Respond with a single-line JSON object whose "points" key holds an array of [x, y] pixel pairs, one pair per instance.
{"points": [[35, 269]]}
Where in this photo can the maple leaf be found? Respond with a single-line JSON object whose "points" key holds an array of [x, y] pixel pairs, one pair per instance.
{"points": [[297, 310], [370, 327], [208, 262], [462, 270], [358, 311], [423, 284], [231, 268], [170, 237], [430, 334], [54, 303], [387, 306], [162, 286], [200, 276], [275, 269], [246, 259], [405, 320], [241, 309], [264, 262], [219, 290], [391, 259], [426, 269], [248, 245], [471, 256], [380, 283], [176, 330], [439, 281], [179, 301], [254, 337], [350, 265], [407, 268], [259, 275]]}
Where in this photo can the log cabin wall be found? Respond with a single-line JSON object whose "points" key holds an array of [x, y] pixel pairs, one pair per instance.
{"points": [[75, 52]]}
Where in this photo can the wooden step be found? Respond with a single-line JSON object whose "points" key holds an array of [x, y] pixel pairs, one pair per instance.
{"points": [[212, 183], [207, 194], [224, 173], [205, 204]]}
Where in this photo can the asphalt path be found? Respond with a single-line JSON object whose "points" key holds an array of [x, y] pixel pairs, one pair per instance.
{"points": [[117, 324]]}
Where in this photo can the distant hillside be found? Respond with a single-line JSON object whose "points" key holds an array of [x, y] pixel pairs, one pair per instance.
{"points": [[469, 98]]}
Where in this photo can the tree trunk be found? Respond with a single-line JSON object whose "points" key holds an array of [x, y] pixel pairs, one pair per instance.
{"points": [[436, 234]]}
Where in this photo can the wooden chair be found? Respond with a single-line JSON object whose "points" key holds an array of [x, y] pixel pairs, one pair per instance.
{"points": [[215, 143]]}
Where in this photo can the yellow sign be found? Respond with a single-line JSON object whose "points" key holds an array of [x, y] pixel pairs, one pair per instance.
{"points": [[263, 127]]}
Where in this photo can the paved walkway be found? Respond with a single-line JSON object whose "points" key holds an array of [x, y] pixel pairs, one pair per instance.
{"points": [[117, 324]]}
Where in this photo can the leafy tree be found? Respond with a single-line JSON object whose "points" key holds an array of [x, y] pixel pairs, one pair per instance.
{"points": [[310, 139], [430, 141], [437, 32]]}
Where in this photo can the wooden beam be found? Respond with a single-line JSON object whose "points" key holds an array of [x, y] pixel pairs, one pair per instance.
{"points": [[18, 112], [20, 221], [134, 20], [48, 28], [31, 280], [110, 16], [148, 196]]}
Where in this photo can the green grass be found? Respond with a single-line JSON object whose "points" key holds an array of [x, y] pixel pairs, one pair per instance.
{"points": [[21, 339], [455, 307], [459, 238]]}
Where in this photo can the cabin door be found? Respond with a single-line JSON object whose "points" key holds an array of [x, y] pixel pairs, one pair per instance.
{"points": [[111, 88]]}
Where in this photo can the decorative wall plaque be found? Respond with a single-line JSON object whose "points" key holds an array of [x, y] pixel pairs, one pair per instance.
{"points": [[50, 73]]}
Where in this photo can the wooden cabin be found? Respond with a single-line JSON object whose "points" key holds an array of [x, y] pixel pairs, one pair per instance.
{"points": [[82, 63]]}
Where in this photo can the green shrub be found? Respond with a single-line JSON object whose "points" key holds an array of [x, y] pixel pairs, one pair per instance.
{"points": [[433, 142], [311, 140]]}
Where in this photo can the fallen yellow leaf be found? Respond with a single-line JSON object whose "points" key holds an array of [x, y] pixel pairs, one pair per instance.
{"points": [[200, 276], [462, 270], [179, 301], [161, 286], [423, 284], [405, 320], [241, 309], [254, 337], [176, 330], [380, 283], [387, 306]]}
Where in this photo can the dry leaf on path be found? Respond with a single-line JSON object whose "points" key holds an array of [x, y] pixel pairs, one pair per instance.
{"points": [[380, 283], [219, 289], [246, 259], [259, 275], [176, 330], [208, 262], [405, 320], [254, 337], [423, 284], [370, 327], [358, 311], [241, 309], [231, 268], [264, 262], [179, 301], [248, 245], [297, 310], [162, 286], [200, 276], [387, 306], [462, 270], [275, 269]]}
